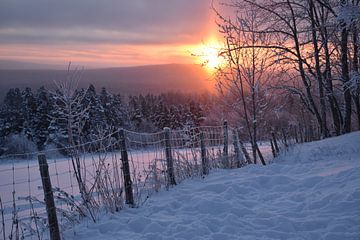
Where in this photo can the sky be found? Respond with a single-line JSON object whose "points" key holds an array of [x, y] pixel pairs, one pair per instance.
{"points": [[105, 33]]}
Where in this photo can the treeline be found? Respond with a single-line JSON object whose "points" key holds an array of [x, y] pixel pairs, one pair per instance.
{"points": [[32, 121], [306, 48], [279, 51]]}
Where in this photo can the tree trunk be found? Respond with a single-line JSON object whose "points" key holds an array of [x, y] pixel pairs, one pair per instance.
{"points": [[323, 124], [254, 124], [301, 65], [356, 70], [335, 111], [260, 155], [253, 100], [357, 108], [345, 78]]}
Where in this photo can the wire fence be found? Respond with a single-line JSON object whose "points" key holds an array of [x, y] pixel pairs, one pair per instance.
{"points": [[118, 169]]}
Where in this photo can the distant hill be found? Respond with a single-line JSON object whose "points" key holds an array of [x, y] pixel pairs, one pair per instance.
{"points": [[124, 80], [21, 65]]}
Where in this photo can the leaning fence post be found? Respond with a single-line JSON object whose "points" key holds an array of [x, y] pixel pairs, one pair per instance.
{"points": [[169, 159], [306, 133], [301, 132], [275, 143], [238, 156], [129, 198], [296, 134], [284, 137], [204, 161], [49, 198], [245, 152], [272, 148], [226, 143], [311, 133]]}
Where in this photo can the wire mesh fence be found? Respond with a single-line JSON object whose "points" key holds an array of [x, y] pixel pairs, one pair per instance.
{"points": [[120, 168]]}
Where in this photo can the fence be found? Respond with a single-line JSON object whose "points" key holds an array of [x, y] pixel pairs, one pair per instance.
{"points": [[119, 168]]}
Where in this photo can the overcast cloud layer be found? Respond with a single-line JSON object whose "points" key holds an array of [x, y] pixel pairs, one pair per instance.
{"points": [[107, 21]]}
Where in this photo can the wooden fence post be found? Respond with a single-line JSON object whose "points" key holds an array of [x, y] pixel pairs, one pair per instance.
{"points": [[226, 143], [204, 161], [238, 156], [318, 133], [245, 152], [49, 198], [284, 137], [311, 133], [129, 198], [301, 131], [275, 143], [296, 134], [169, 158], [272, 148]]}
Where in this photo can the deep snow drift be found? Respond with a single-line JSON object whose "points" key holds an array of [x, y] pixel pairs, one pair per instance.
{"points": [[311, 192]]}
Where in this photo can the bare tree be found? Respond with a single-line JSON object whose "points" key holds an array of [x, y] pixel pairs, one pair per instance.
{"points": [[71, 114], [354, 84], [243, 79], [355, 80], [325, 19], [345, 76], [309, 40], [318, 73]]}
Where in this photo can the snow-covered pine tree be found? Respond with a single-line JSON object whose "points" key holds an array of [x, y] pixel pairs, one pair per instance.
{"points": [[95, 118], [13, 118], [118, 113], [134, 112], [175, 117], [29, 109], [162, 115], [41, 118], [196, 113]]}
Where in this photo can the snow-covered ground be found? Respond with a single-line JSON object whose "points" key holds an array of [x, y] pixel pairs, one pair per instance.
{"points": [[310, 192]]}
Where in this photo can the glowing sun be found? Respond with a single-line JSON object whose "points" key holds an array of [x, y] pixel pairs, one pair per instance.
{"points": [[207, 54], [211, 57]]}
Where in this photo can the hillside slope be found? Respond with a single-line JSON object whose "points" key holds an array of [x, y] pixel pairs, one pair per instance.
{"points": [[310, 192], [125, 80]]}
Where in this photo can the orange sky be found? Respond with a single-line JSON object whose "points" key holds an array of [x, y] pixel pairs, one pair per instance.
{"points": [[119, 33]]}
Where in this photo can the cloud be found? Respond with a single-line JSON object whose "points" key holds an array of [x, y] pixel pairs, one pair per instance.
{"points": [[107, 21], [90, 35], [103, 55]]}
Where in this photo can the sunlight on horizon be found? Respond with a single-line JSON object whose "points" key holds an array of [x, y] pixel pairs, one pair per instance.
{"points": [[207, 54]]}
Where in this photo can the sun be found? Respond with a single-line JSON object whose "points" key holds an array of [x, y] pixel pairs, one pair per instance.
{"points": [[207, 54], [211, 57]]}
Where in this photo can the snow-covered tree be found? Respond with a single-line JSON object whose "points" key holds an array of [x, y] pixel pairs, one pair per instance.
{"points": [[29, 109], [42, 117], [11, 114]]}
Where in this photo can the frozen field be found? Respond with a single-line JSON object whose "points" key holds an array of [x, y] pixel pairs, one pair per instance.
{"points": [[23, 177], [310, 192]]}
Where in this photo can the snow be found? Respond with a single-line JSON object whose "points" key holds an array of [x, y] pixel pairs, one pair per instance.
{"points": [[312, 191]]}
